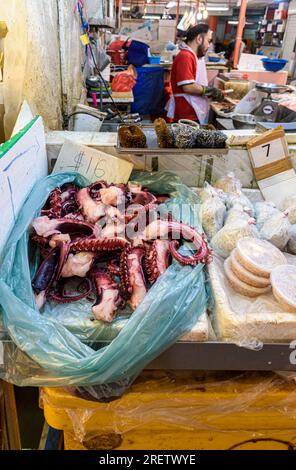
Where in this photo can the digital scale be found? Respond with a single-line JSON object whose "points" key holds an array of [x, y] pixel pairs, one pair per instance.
{"points": [[267, 110]]}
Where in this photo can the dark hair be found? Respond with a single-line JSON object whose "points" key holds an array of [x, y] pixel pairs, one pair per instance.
{"points": [[194, 31]]}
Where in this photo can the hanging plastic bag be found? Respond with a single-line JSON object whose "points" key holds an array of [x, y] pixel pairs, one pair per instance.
{"points": [[51, 354]]}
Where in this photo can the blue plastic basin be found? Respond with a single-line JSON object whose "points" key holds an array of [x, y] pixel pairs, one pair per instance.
{"points": [[214, 59], [274, 65], [154, 59]]}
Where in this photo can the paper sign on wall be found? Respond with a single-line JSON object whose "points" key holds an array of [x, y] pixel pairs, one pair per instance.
{"points": [[92, 164]]}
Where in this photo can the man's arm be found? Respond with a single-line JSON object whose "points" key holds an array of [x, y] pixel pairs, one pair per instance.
{"points": [[199, 90], [193, 89]]}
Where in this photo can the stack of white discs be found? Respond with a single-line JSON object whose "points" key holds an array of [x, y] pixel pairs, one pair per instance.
{"points": [[283, 282], [250, 264]]}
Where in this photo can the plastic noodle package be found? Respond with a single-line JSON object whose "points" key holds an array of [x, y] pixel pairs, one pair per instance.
{"points": [[292, 240], [289, 201], [276, 230], [237, 212], [229, 184], [212, 213], [263, 211], [170, 309], [226, 239], [209, 191], [239, 198], [291, 214]]}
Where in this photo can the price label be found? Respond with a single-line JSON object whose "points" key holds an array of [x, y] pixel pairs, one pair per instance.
{"points": [[84, 39], [267, 153]]}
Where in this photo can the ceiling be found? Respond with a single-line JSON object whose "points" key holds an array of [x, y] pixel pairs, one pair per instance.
{"points": [[157, 5]]}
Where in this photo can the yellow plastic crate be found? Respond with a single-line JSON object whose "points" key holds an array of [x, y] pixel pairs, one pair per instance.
{"points": [[184, 410]]}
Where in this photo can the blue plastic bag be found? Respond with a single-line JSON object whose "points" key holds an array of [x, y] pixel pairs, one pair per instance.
{"points": [[57, 357], [137, 54], [149, 91]]}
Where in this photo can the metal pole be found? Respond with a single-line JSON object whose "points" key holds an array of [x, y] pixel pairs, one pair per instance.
{"points": [[240, 30], [177, 18]]}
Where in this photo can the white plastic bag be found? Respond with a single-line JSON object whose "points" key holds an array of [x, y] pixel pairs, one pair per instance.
{"points": [[263, 211], [292, 240], [277, 230], [229, 183], [236, 213], [212, 214], [226, 239], [239, 199]]}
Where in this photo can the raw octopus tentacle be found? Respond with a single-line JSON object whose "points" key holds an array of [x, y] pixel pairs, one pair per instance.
{"points": [[40, 241], [49, 272], [94, 189], [46, 227], [55, 202], [113, 267], [91, 209], [132, 275], [157, 259], [108, 296], [59, 294], [105, 244], [165, 229], [53, 206]]}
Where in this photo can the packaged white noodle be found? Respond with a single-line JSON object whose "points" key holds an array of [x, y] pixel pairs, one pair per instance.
{"points": [[277, 230], [292, 214], [292, 240], [226, 239], [209, 191], [212, 213], [237, 212], [239, 198], [229, 183], [289, 201], [263, 211]]}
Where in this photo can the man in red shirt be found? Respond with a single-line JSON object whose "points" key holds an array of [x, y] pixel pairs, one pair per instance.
{"points": [[189, 78]]}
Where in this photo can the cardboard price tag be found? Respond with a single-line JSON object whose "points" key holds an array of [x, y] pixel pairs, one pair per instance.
{"points": [[92, 164], [269, 153]]}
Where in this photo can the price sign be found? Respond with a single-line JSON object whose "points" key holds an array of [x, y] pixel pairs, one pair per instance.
{"points": [[269, 153]]}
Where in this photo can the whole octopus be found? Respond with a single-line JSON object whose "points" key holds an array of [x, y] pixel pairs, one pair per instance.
{"points": [[99, 243]]}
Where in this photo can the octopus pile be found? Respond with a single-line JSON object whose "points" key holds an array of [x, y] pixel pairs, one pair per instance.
{"points": [[98, 243]]}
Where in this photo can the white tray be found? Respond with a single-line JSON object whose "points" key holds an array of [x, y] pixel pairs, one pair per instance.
{"points": [[243, 320]]}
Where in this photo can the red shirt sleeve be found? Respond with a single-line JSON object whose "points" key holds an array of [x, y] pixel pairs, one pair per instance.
{"points": [[185, 69]]}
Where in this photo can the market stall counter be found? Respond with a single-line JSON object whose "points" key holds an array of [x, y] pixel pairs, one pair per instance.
{"points": [[95, 334]]}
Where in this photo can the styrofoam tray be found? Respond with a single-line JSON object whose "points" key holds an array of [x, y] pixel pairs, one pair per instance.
{"points": [[244, 320]]}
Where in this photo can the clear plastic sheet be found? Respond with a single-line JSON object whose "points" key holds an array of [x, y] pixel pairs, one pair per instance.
{"points": [[170, 309], [176, 403]]}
